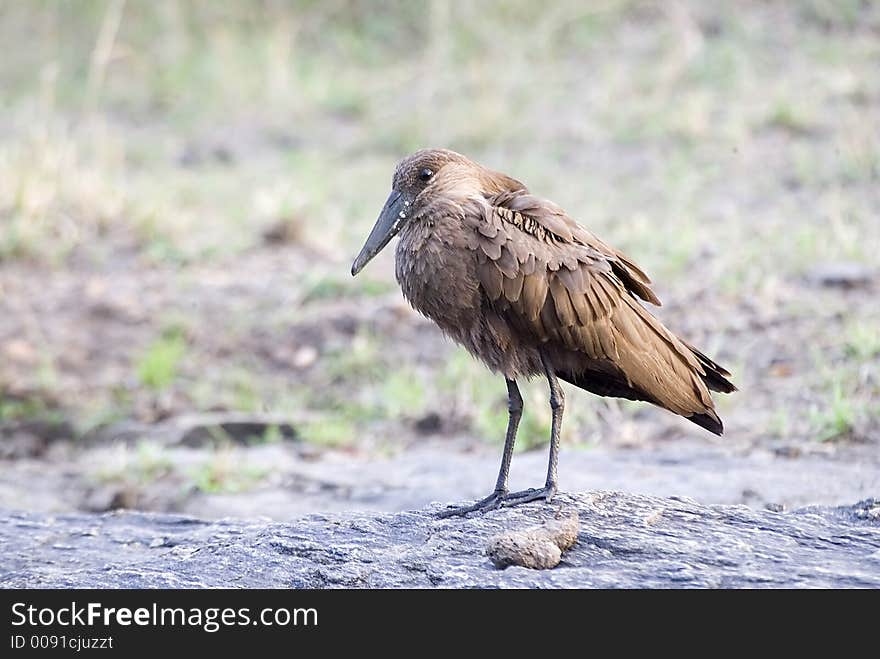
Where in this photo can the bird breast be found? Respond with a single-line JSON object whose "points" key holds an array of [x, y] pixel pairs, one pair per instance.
{"points": [[437, 273]]}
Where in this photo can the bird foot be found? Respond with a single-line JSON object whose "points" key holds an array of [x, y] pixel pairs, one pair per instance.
{"points": [[491, 502], [532, 494], [500, 498]]}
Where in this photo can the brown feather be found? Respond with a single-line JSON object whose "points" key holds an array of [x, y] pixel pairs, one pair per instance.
{"points": [[491, 249], [564, 310], [507, 263], [513, 287], [534, 292], [491, 279]]}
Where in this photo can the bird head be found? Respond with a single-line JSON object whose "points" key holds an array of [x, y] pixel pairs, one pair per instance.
{"points": [[415, 181]]}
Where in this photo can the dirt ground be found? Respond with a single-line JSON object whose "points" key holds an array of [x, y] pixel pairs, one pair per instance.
{"points": [[179, 331]]}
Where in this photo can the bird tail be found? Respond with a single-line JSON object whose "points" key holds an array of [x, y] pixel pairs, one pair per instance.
{"points": [[664, 371], [716, 376], [615, 385], [715, 379]]}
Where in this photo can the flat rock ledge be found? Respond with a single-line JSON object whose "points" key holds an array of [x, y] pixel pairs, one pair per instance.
{"points": [[625, 540]]}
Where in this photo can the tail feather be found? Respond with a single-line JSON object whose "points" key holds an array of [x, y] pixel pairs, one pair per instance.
{"points": [[710, 421], [716, 376], [607, 379], [604, 383]]}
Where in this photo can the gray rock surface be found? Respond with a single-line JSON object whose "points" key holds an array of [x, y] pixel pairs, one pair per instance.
{"points": [[625, 540]]}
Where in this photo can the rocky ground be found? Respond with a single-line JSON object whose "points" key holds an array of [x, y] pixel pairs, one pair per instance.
{"points": [[624, 541]]}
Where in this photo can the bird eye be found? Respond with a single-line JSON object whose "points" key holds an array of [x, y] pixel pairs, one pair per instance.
{"points": [[425, 174]]}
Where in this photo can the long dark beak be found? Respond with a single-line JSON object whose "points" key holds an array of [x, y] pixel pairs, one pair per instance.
{"points": [[384, 230]]}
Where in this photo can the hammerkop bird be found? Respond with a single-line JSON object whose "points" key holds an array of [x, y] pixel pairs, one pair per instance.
{"points": [[527, 290]]}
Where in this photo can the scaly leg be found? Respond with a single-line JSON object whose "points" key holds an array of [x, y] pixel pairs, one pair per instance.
{"points": [[557, 405], [494, 500]]}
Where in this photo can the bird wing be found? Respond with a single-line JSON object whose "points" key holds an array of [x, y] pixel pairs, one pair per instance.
{"points": [[555, 281]]}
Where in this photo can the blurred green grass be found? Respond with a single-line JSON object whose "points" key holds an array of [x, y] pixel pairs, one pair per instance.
{"points": [[729, 147], [130, 113]]}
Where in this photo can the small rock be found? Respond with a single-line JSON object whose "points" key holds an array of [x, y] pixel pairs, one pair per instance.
{"points": [[870, 510], [212, 429], [429, 424], [788, 451], [108, 497], [285, 231], [846, 274], [537, 548], [21, 445], [305, 357], [19, 350], [31, 438]]}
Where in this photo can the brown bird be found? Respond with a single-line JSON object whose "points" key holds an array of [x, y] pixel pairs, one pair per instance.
{"points": [[527, 290]]}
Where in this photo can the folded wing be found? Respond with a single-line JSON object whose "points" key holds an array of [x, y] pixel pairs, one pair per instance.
{"points": [[554, 280]]}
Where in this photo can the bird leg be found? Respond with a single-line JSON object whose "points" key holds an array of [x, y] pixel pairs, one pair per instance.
{"points": [[557, 405], [500, 496], [494, 500]]}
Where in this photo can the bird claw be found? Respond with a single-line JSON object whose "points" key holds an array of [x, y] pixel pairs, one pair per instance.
{"points": [[491, 502], [532, 494], [501, 499]]}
